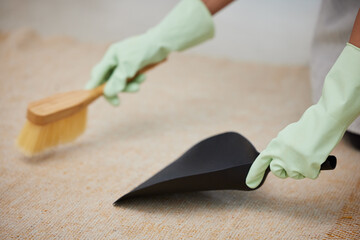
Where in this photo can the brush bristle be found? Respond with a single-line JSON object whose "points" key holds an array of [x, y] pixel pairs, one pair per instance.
{"points": [[34, 138]]}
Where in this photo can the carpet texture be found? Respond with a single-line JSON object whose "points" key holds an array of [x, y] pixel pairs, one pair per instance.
{"points": [[67, 193]]}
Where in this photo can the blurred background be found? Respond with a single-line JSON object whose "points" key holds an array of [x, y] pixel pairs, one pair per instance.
{"points": [[276, 31]]}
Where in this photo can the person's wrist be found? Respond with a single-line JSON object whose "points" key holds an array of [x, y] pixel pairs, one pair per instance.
{"points": [[355, 34]]}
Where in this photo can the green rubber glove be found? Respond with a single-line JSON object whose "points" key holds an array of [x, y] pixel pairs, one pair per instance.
{"points": [[187, 25], [300, 148]]}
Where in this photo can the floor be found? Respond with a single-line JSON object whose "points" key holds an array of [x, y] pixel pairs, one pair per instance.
{"points": [[68, 192]]}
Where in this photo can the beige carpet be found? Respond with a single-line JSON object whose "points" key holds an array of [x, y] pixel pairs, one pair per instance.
{"points": [[68, 192]]}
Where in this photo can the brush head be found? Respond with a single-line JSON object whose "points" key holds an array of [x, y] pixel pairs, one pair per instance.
{"points": [[55, 120], [36, 138]]}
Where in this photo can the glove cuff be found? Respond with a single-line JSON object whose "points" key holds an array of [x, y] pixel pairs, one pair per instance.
{"points": [[188, 24], [341, 92]]}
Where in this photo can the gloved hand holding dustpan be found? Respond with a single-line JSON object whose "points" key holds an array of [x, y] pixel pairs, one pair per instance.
{"points": [[301, 147], [216, 163]]}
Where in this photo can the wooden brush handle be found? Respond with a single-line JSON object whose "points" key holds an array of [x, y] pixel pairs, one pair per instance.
{"points": [[62, 105], [98, 91]]}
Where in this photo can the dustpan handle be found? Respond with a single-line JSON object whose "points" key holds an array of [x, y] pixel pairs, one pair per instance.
{"points": [[329, 164]]}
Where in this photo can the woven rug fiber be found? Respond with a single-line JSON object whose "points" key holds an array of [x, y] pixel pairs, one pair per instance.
{"points": [[67, 193]]}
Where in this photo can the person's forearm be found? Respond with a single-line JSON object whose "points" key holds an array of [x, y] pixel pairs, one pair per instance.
{"points": [[355, 35], [216, 5]]}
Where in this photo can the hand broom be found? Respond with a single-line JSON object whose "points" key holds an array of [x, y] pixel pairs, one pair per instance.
{"points": [[59, 119]]}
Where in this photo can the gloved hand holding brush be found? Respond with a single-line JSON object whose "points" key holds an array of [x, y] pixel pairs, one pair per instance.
{"points": [[61, 118], [300, 148], [187, 25]]}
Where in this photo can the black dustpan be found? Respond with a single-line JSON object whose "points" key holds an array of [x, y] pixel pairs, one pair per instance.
{"points": [[217, 163]]}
